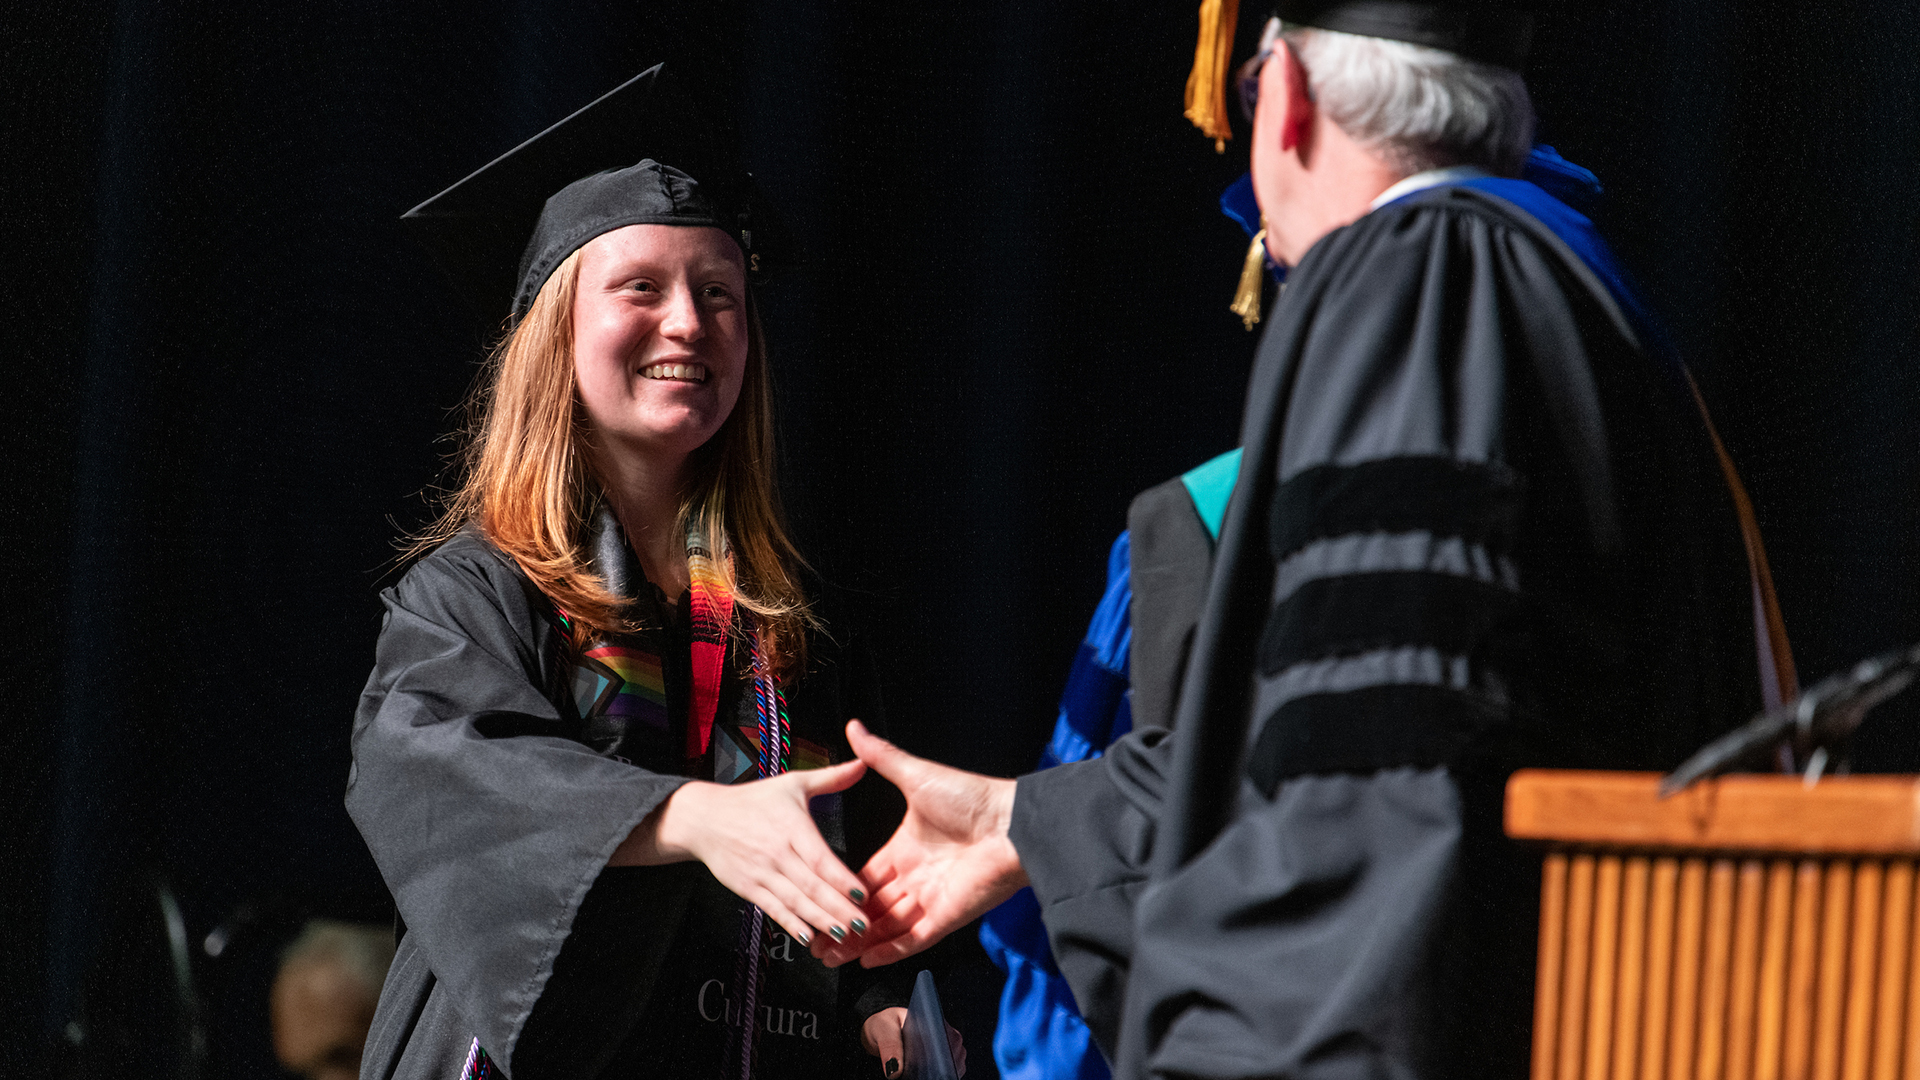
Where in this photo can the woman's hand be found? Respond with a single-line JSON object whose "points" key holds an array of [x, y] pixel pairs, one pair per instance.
{"points": [[883, 1037], [759, 841]]}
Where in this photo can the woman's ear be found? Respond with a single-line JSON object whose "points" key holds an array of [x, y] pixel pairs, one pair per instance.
{"points": [[1296, 119]]}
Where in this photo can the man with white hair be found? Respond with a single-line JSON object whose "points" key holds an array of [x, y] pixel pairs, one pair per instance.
{"points": [[1481, 520]]}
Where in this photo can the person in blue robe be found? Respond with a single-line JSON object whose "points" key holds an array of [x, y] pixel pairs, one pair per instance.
{"points": [[1041, 1034]]}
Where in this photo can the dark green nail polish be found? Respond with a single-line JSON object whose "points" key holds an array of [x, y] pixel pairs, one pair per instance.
{"points": [[805, 940], [859, 926], [893, 1066], [836, 933], [859, 895]]}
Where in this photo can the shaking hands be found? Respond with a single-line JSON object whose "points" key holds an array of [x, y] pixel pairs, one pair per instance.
{"points": [[949, 862]]}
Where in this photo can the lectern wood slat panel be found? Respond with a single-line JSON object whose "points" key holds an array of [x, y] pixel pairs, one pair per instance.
{"points": [[1802, 976], [1659, 989], [1770, 1023], [1603, 978], [1547, 977], [1744, 1000], [1750, 928], [1896, 923], [1683, 1004], [1833, 970], [1632, 977], [1716, 972], [1579, 948], [1861, 972]]}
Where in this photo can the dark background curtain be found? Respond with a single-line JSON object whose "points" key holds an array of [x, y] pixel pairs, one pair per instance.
{"points": [[229, 368]]}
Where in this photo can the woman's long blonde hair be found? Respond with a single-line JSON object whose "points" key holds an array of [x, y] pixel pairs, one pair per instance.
{"points": [[527, 480]]}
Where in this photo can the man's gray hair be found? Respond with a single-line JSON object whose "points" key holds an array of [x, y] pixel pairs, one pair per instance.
{"points": [[1416, 107]]}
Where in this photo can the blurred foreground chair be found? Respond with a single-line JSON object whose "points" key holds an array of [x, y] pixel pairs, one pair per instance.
{"points": [[1749, 928]]}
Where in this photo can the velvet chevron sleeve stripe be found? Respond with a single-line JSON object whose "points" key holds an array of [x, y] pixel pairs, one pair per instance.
{"points": [[1475, 500], [1356, 613], [1391, 577], [1359, 731]]}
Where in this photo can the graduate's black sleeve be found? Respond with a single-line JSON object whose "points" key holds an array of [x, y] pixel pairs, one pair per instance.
{"points": [[489, 825], [604, 973]]}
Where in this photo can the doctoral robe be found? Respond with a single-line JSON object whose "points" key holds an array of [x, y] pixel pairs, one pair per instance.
{"points": [[1478, 524], [494, 775]]}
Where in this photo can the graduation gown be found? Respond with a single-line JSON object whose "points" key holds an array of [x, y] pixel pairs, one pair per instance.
{"points": [[491, 807], [1477, 524]]}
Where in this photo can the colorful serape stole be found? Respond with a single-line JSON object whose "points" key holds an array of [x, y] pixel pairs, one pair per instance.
{"points": [[621, 680], [775, 747], [609, 679], [712, 616], [479, 1065]]}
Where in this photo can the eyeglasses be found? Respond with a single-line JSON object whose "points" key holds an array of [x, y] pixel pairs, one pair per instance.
{"points": [[1247, 80]]}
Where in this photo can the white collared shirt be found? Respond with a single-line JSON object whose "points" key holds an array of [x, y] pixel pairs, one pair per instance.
{"points": [[1421, 181]]}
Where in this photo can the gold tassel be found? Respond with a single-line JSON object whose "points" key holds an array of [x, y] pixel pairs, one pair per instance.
{"points": [[1253, 274], [1207, 83]]}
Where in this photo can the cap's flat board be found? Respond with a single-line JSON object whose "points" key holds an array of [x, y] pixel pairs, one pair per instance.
{"points": [[1859, 815]]}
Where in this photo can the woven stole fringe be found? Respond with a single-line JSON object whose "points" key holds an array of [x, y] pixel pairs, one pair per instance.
{"points": [[776, 751], [712, 617]]}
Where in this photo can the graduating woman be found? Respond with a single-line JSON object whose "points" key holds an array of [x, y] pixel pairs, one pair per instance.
{"points": [[600, 760]]}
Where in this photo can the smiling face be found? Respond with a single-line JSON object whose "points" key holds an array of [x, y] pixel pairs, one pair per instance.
{"points": [[659, 338]]}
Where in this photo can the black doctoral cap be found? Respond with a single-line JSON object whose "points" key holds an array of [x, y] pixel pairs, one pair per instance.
{"points": [[1491, 31], [639, 155]]}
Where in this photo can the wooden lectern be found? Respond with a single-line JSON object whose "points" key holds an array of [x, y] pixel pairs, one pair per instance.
{"points": [[1749, 928]]}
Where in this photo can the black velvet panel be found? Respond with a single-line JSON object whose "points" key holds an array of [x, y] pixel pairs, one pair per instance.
{"points": [[1363, 731], [1474, 500], [1356, 613]]}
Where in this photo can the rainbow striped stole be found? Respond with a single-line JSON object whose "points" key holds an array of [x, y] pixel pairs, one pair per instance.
{"points": [[712, 616], [621, 680]]}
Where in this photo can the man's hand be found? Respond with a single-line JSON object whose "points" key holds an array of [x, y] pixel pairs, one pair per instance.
{"points": [[948, 863]]}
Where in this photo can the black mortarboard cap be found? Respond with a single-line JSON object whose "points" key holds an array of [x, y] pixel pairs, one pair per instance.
{"points": [[641, 154], [1484, 30]]}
